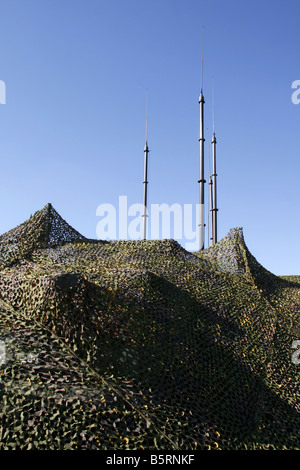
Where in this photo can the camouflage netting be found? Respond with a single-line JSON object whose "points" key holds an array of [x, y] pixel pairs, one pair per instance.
{"points": [[45, 229], [142, 345]]}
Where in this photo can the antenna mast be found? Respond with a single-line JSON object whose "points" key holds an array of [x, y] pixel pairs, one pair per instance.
{"points": [[214, 175], [146, 151], [211, 210], [201, 181], [210, 197]]}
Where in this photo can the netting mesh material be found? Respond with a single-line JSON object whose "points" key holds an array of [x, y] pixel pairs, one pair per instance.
{"points": [[142, 345]]}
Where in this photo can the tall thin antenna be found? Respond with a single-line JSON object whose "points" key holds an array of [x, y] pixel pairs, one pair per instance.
{"points": [[210, 198], [202, 58], [146, 151], [211, 210], [201, 181], [214, 175], [146, 115], [213, 104]]}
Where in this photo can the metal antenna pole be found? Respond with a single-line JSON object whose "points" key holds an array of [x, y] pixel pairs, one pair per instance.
{"points": [[202, 58], [211, 210], [210, 197], [214, 175], [201, 181], [146, 151], [208, 214]]}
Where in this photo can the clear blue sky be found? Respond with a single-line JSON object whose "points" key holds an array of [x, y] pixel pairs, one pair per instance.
{"points": [[72, 131]]}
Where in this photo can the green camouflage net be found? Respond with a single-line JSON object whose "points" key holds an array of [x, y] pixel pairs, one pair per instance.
{"points": [[142, 345]]}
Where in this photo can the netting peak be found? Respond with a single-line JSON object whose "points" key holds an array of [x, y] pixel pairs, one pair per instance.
{"points": [[44, 229]]}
